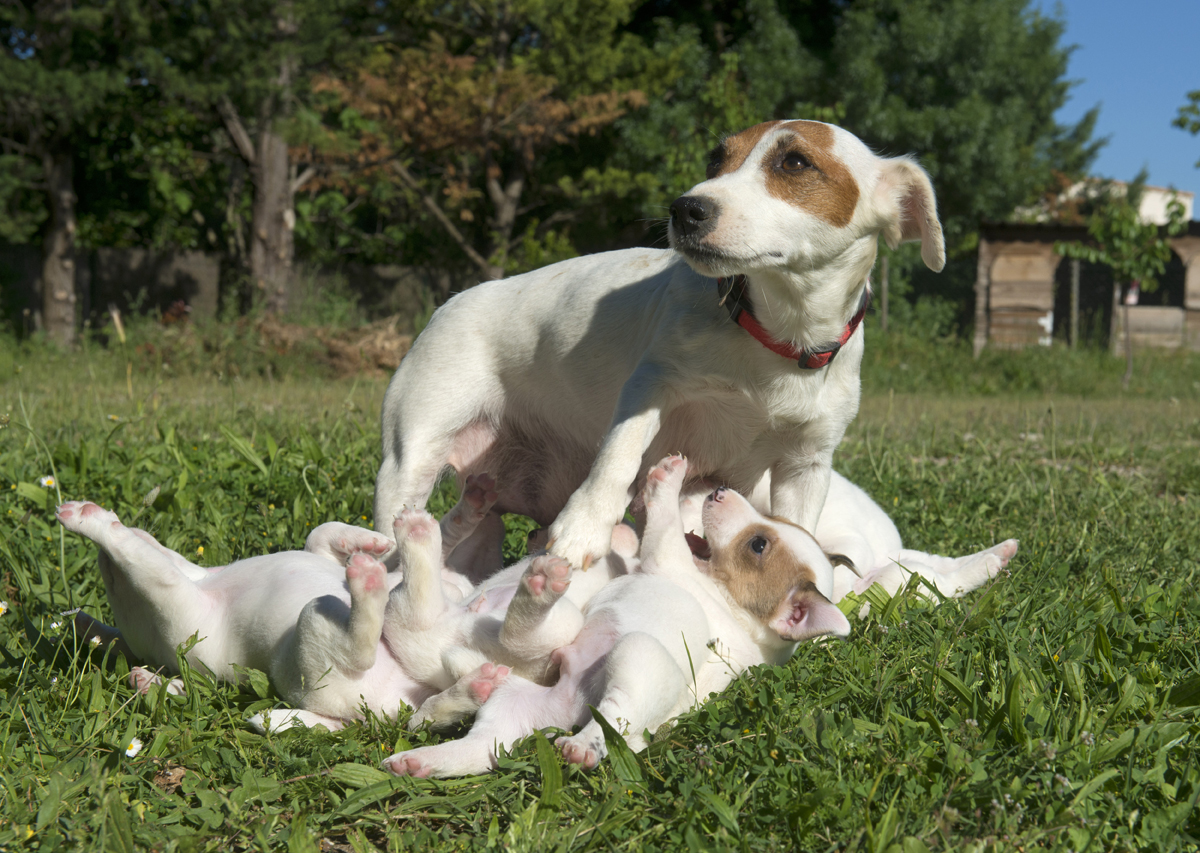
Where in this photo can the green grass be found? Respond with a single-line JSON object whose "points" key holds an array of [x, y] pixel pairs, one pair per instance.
{"points": [[1056, 709]]}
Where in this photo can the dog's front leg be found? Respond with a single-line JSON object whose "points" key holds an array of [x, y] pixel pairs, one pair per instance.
{"points": [[799, 487], [582, 533]]}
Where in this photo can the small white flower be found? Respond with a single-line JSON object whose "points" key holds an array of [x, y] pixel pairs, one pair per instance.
{"points": [[95, 641], [54, 626], [134, 747], [1088, 738], [3, 607], [46, 482]]}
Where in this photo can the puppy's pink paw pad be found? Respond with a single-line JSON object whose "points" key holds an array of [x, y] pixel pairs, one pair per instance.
{"points": [[414, 524], [490, 677], [402, 764], [576, 753], [1006, 550], [365, 574], [547, 572], [480, 492]]}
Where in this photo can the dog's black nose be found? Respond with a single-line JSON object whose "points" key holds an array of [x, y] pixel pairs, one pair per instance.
{"points": [[694, 215], [718, 494]]}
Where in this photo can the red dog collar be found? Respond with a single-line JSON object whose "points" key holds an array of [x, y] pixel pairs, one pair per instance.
{"points": [[732, 291]]}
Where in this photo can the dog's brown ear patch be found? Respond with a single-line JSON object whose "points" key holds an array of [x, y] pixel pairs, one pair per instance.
{"points": [[733, 150], [802, 170], [759, 570]]}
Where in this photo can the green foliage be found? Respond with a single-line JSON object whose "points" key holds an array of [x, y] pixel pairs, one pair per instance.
{"points": [[1135, 250], [1055, 709], [1189, 116]]}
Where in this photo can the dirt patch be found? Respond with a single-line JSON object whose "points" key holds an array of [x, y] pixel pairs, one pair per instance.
{"points": [[374, 349]]}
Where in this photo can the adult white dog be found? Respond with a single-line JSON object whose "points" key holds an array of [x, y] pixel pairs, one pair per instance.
{"points": [[739, 347]]}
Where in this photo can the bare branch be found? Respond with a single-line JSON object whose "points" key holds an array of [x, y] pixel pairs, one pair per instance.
{"points": [[19, 147], [432, 206], [235, 128], [303, 178]]}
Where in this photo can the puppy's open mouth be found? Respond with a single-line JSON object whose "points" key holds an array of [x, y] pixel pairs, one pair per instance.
{"points": [[698, 546]]}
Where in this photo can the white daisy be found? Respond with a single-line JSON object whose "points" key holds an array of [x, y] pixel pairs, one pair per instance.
{"points": [[46, 482], [134, 747]]}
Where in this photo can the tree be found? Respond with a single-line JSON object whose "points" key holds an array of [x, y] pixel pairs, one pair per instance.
{"points": [[1189, 116], [247, 64], [468, 116], [62, 65], [1135, 250]]}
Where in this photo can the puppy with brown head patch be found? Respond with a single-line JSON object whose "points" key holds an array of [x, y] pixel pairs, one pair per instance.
{"points": [[739, 347], [659, 641]]}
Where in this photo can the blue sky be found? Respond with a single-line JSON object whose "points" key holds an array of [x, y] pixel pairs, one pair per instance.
{"points": [[1138, 60]]}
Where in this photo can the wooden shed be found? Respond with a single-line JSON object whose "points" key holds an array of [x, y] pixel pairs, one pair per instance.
{"points": [[1025, 292]]}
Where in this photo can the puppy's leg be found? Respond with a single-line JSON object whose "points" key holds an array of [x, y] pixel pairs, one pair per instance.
{"points": [[955, 576], [478, 496], [143, 681], [339, 542], [326, 643], [516, 709], [147, 565], [539, 620], [280, 719], [417, 602], [664, 549], [462, 699], [643, 689]]}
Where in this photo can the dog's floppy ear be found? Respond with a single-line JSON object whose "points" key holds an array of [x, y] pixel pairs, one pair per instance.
{"points": [[805, 613], [910, 210]]}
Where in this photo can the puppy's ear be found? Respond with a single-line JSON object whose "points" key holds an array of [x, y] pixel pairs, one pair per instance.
{"points": [[905, 195], [806, 613]]}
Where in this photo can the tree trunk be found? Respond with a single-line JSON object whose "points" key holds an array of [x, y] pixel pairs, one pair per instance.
{"points": [[272, 244], [58, 250], [1128, 345]]}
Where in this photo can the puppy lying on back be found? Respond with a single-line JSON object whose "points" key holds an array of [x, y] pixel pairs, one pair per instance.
{"points": [[738, 347], [658, 642], [331, 627], [699, 612]]}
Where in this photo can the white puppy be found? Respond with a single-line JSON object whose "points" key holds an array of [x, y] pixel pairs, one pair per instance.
{"points": [[333, 630], [658, 642], [568, 381], [701, 611]]}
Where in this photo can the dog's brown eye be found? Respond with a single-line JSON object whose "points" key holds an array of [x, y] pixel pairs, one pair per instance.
{"points": [[758, 544], [795, 163]]}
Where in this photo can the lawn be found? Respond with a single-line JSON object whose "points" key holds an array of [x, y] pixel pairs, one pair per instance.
{"points": [[1056, 709]]}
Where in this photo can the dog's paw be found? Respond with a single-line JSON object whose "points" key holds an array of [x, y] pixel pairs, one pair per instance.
{"points": [[489, 678], [87, 519], [408, 764], [143, 681], [664, 481], [365, 576], [547, 577], [479, 492], [1005, 551], [581, 749], [417, 527]]}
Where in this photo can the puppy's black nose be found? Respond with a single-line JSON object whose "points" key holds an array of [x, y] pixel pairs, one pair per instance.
{"points": [[718, 494], [694, 216]]}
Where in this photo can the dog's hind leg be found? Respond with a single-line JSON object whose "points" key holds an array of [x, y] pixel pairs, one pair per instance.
{"points": [[417, 602], [480, 554], [329, 640], [460, 700], [516, 709], [478, 496], [143, 560], [539, 620], [339, 542], [644, 688]]}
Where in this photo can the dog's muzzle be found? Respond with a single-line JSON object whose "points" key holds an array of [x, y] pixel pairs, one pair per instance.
{"points": [[693, 216]]}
